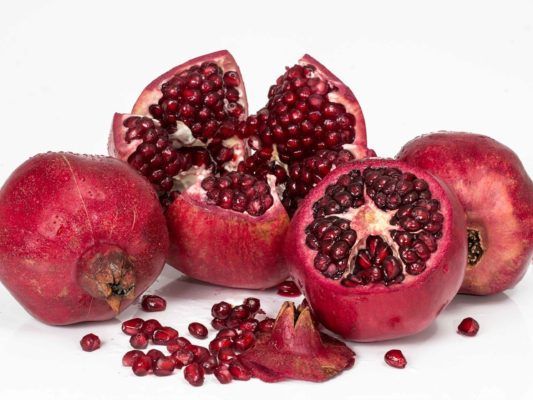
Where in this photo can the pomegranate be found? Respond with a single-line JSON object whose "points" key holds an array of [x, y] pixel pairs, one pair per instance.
{"points": [[295, 349], [218, 172], [80, 237], [377, 249], [497, 195]]}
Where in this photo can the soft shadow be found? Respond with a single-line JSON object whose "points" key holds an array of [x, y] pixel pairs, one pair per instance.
{"points": [[464, 301]]}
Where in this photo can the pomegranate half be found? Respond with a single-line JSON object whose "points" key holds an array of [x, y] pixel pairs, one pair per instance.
{"points": [[497, 195], [80, 237], [378, 250], [220, 174]]}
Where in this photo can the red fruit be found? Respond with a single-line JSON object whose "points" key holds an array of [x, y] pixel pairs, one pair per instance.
{"points": [[295, 349], [164, 366], [249, 325], [395, 358], [82, 237], [240, 312], [226, 355], [155, 355], [377, 249], [252, 304], [139, 341], [149, 327], [219, 343], [227, 333], [90, 342], [288, 289], [183, 357], [497, 195], [221, 310], [468, 327], [209, 364], [266, 325], [194, 374], [164, 335], [244, 341], [198, 330], [132, 326], [129, 358], [218, 323], [153, 303], [222, 374], [177, 344], [200, 353], [142, 366], [239, 371]]}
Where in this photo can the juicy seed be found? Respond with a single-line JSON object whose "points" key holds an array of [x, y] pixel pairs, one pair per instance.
{"points": [[223, 374], [164, 366], [198, 330], [132, 326], [194, 374], [395, 358], [239, 371], [221, 310], [90, 342], [142, 366], [152, 303], [139, 341], [288, 289], [130, 357], [468, 327]]}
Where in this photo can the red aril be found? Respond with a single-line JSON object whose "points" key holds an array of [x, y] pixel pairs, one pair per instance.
{"points": [[90, 342], [152, 303]]}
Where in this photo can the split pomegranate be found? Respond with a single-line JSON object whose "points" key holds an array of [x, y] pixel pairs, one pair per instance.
{"points": [[377, 249], [187, 135], [468, 327], [395, 358], [295, 349], [497, 195], [90, 342], [81, 237]]}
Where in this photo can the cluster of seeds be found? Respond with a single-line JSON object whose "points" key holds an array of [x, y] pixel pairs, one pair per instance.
{"points": [[299, 118], [239, 192], [412, 209], [237, 326], [475, 251]]}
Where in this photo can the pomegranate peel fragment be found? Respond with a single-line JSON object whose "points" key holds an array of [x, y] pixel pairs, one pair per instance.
{"points": [[296, 349]]}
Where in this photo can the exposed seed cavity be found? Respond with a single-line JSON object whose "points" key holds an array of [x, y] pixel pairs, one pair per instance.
{"points": [[475, 250]]}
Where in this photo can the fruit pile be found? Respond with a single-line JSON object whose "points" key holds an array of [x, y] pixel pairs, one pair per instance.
{"points": [[378, 247]]}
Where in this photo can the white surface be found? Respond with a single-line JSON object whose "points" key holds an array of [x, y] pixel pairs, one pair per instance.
{"points": [[415, 67]]}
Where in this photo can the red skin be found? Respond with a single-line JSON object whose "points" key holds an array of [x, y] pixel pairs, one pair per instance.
{"points": [[241, 251], [497, 195], [54, 208], [376, 312]]}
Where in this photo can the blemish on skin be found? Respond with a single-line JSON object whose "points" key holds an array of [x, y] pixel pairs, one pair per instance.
{"points": [[394, 321]]}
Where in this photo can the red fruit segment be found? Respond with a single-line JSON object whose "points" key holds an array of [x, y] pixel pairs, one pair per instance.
{"points": [[239, 371], [129, 358], [164, 335], [142, 366], [497, 196], [132, 326], [90, 342], [295, 349], [164, 366], [194, 374], [221, 310], [288, 289], [223, 374], [139, 341], [468, 327], [152, 303], [198, 330], [395, 358], [373, 235]]}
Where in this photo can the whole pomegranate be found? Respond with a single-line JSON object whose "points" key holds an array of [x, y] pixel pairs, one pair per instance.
{"points": [[80, 237], [497, 195], [378, 250], [219, 172]]}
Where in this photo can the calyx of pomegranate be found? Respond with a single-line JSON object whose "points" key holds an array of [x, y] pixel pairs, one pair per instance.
{"points": [[296, 349], [106, 272]]}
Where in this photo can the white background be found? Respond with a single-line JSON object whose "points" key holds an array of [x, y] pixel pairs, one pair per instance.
{"points": [[414, 66]]}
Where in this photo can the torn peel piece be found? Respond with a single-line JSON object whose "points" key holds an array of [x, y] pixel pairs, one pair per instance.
{"points": [[296, 349]]}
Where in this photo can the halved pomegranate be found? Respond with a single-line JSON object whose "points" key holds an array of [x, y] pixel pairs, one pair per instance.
{"points": [[377, 249], [224, 214]]}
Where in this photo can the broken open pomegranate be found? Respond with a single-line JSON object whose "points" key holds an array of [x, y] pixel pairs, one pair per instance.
{"points": [[377, 249], [228, 180]]}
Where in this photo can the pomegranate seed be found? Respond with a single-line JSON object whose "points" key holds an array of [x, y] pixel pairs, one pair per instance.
{"points": [[198, 330], [155, 355], [266, 325], [209, 364], [468, 327], [200, 353], [194, 374], [221, 310], [152, 303], [218, 323], [132, 326], [252, 304], [139, 341], [90, 342], [177, 344], [395, 358], [222, 374], [183, 357], [220, 343], [150, 326], [233, 322], [239, 371], [142, 366], [240, 312], [226, 354], [244, 341], [289, 289], [227, 333], [164, 366], [164, 335], [249, 325], [129, 358]]}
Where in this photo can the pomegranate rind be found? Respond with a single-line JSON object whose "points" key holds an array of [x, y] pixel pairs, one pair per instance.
{"points": [[55, 207], [225, 247], [152, 93], [345, 96], [497, 195], [117, 146], [375, 312], [295, 349]]}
